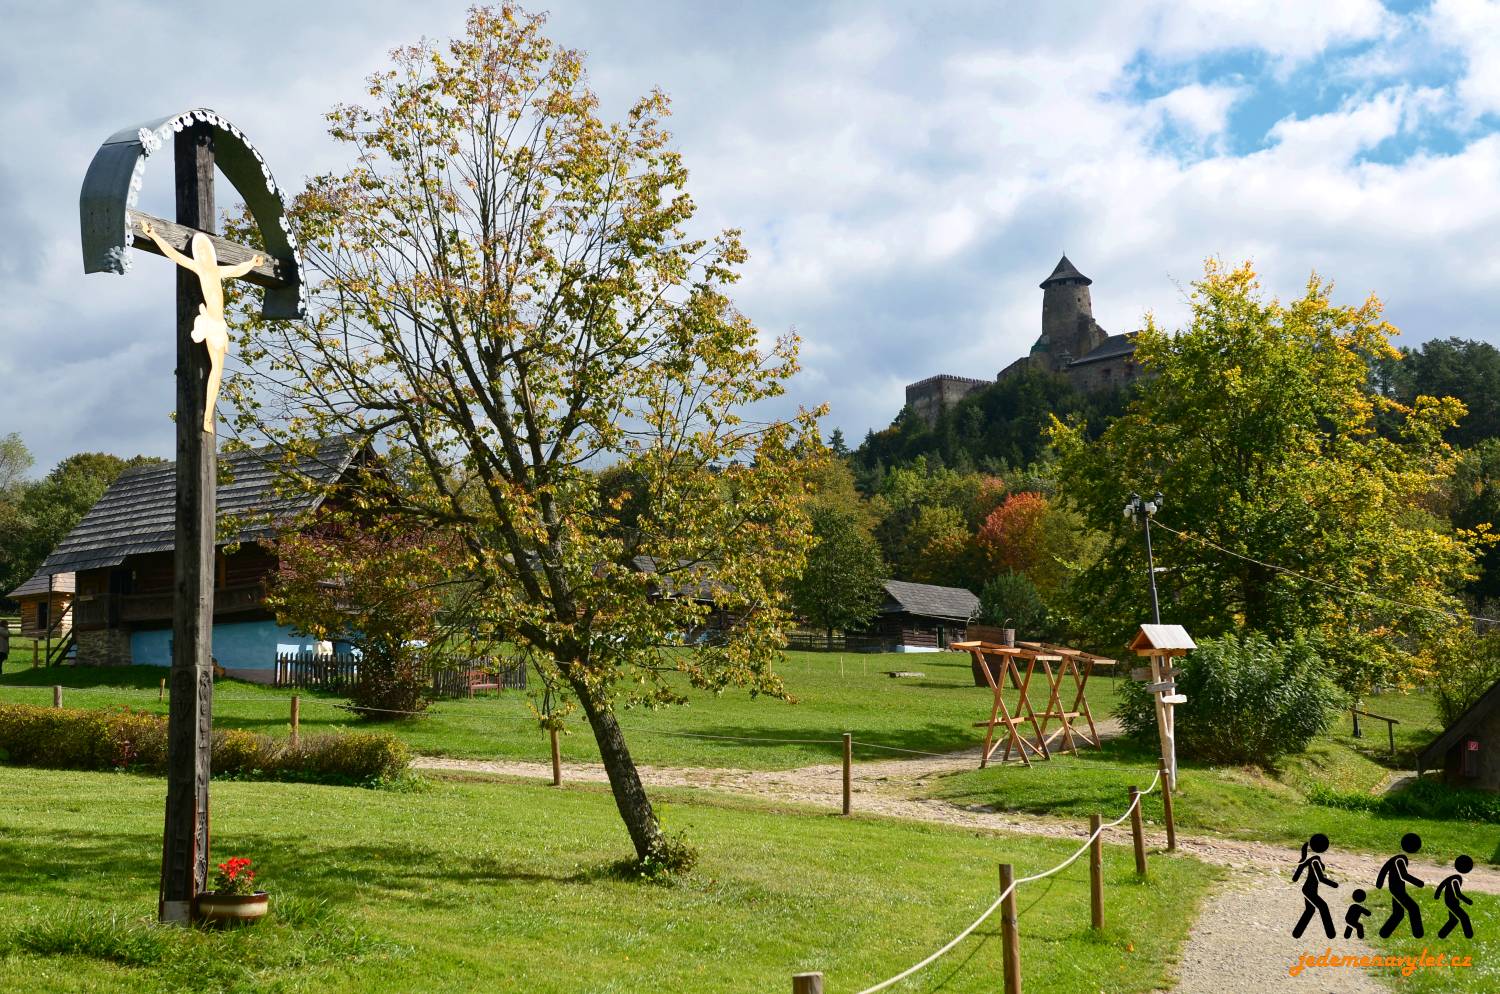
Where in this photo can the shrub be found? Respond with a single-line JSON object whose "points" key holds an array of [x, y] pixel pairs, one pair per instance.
{"points": [[1423, 799], [1250, 700], [73, 739], [392, 685]]}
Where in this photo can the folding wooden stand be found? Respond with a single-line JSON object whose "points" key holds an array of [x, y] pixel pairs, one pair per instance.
{"points": [[1000, 712], [1078, 665]]}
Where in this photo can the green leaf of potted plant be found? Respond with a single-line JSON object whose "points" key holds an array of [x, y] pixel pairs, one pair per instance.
{"points": [[234, 898]]}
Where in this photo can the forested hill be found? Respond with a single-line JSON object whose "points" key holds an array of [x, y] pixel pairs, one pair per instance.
{"points": [[997, 426], [1004, 424]]}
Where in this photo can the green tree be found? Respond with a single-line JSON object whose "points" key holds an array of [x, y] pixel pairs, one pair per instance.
{"points": [[505, 292], [1011, 600], [1258, 426], [1450, 367], [843, 583], [1475, 503]]}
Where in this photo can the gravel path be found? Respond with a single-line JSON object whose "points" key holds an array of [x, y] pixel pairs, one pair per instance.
{"points": [[1242, 943]]}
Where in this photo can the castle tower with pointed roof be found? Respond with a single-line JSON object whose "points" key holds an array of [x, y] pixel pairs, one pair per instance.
{"points": [[1071, 343], [1069, 330]]}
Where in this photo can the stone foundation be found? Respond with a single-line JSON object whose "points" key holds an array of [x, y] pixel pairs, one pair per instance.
{"points": [[104, 647]]}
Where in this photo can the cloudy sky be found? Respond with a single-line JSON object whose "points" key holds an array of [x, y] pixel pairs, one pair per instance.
{"points": [[905, 174]]}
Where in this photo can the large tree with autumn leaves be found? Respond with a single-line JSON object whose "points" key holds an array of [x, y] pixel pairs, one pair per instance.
{"points": [[506, 294], [1258, 424]]}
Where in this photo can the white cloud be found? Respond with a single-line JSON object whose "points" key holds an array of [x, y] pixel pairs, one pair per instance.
{"points": [[1472, 27], [1201, 110], [904, 177]]}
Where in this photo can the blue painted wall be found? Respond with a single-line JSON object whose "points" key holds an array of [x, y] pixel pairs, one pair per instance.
{"points": [[239, 645]]}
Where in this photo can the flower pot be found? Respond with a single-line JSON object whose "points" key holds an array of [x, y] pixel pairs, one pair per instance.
{"points": [[232, 909]]}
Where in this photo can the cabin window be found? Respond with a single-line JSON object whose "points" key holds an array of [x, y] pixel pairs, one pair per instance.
{"points": [[42, 614]]}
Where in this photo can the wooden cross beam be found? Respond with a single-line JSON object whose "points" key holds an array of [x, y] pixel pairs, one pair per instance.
{"points": [[272, 273]]}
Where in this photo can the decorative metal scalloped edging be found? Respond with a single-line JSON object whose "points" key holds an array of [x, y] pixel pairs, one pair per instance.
{"points": [[112, 187]]}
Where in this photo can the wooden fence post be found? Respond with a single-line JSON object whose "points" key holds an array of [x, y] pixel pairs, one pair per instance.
{"points": [[1096, 873], [296, 718], [161, 692], [56, 696], [1390, 730], [556, 760], [1166, 805], [1010, 931], [807, 983], [1354, 713], [1138, 831], [848, 762]]}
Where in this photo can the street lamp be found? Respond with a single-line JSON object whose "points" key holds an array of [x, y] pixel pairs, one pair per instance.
{"points": [[1141, 510]]}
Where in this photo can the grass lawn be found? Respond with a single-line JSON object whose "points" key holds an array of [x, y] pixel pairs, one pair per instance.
{"points": [[498, 886], [1241, 802], [833, 694]]}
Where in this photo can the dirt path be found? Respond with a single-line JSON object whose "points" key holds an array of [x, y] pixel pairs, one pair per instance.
{"points": [[891, 789]]}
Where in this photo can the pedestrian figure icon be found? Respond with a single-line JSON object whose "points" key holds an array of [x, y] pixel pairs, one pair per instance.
{"points": [[1394, 876], [1354, 918], [1450, 892], [1315, 875]]}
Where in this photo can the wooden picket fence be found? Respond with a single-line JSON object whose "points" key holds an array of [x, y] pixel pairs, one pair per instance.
{"points": [[447, 679], [821, 642]]}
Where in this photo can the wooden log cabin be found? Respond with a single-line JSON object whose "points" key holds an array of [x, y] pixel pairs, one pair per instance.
{"points": [[121, 555], [46, 608], [923, 617]]}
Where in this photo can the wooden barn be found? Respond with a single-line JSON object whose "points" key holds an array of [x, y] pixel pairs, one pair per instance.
{"points": [[46, 607], [922, 617], [121, 554], [1468, 751]]}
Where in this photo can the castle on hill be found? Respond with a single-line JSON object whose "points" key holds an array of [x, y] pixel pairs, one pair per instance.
{"points": [[1071, 344]]}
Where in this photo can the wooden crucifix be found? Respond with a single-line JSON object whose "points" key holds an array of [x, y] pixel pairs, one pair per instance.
{"points": [[110, 226]]}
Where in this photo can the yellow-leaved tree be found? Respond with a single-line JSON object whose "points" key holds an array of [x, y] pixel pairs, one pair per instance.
{"points": [[506, 297]]}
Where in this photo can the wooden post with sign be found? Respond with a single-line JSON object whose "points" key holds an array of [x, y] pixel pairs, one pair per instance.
{"points": [[201, 142], [1161, 644]]}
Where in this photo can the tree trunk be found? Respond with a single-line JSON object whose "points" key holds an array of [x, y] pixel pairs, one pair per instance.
{"points": [[624, 781]]}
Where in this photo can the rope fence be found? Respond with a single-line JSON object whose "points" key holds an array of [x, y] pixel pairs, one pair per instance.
{"points": [[802, 982]]}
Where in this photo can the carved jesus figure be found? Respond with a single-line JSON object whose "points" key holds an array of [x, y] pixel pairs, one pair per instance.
{"points": [[208, 327]]}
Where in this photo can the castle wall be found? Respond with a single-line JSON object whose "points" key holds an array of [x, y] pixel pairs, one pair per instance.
{"points": [[931, 397]]}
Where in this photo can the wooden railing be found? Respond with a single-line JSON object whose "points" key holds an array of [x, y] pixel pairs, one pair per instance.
{"points": [[108, 610]]}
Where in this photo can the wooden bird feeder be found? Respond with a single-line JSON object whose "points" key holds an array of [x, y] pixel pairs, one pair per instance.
{"points": [[1161, 644]]}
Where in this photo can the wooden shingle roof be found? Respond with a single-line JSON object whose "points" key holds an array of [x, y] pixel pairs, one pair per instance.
{"points": [[929, 601], [62, 583], [137, 513]]}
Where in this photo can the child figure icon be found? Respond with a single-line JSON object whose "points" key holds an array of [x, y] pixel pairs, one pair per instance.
{"points": [[1450, 892], [1353, 923]]}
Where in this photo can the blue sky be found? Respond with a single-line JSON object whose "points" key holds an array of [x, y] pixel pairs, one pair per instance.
{"points": [[904, 175]]}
